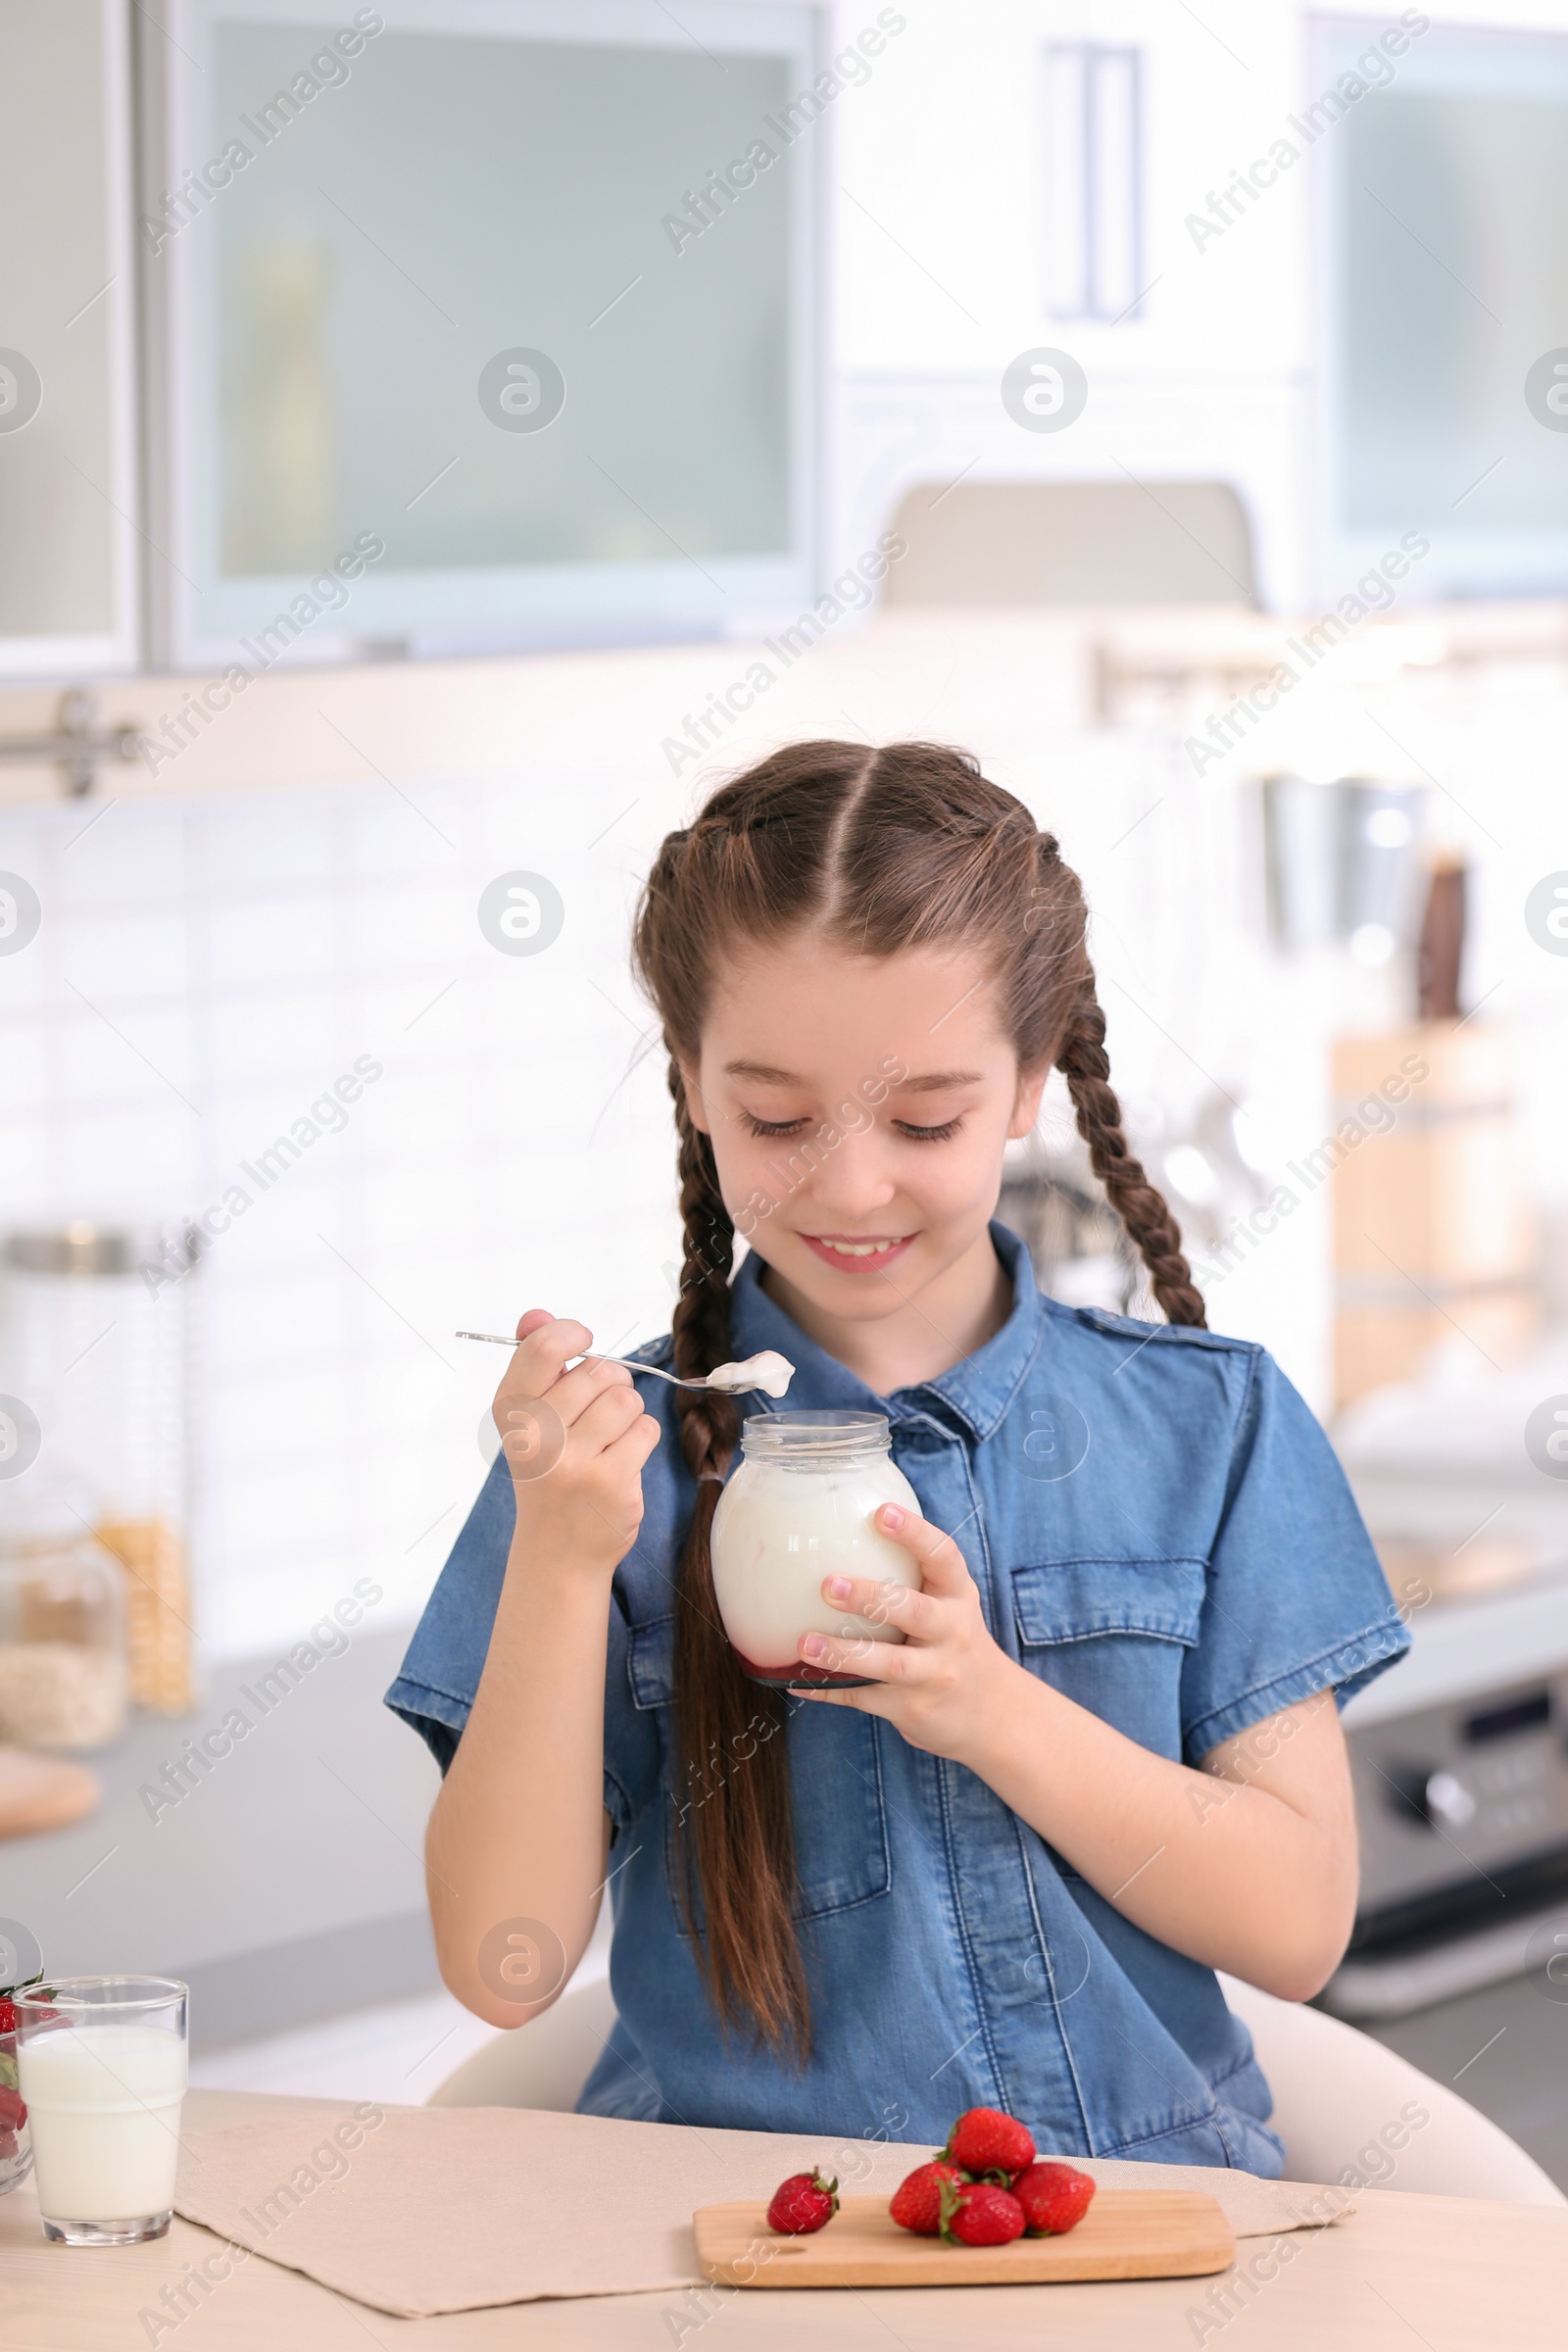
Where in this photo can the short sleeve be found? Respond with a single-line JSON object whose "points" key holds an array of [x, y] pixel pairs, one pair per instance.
{"points": [[436, 1684], [1295, 1598]]}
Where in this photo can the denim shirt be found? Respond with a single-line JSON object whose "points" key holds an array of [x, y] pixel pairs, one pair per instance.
{"points": [[1158, 1529]]}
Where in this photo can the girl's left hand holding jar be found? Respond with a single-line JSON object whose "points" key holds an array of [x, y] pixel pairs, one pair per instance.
{"points": [[940, 1686]]}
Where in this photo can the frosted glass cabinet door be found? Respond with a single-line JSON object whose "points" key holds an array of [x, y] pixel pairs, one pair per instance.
{"points": [[518, 294], [1445, 259], [67, 430]]}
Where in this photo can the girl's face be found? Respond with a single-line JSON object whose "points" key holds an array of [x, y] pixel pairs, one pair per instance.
{"points": [[858, 1108]]}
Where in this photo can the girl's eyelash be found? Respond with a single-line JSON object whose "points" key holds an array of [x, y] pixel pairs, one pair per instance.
{"points": [[915, 1135]]}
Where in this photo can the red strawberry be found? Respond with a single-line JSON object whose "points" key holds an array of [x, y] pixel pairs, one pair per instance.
{"points": [[8, 2008], [801, 2204], [978, 2214], [917, 2202], [985, 2140], [13, 2113], [1055, 2198]]}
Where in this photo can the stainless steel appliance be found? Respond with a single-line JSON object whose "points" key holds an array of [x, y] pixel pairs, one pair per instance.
{"points": [[1461, 1754], [1463, 1804]]}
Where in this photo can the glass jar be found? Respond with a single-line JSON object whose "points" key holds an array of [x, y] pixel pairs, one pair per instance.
{"points": [[96, 1338], [63, 1670], [800, 1508]]}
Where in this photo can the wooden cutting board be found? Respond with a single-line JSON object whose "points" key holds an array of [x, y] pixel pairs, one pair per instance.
{"points": [[1126, 2234]]}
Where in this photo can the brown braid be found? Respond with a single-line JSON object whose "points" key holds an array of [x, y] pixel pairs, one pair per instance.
{"points": [[732, 1772], [1085, 1065], [878, 852]]}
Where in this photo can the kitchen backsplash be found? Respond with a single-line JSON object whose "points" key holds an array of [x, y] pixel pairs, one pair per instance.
{"points": [[280, 1013]]}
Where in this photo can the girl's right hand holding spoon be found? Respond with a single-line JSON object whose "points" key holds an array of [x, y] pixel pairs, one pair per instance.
{"points": [[575, 1443]]}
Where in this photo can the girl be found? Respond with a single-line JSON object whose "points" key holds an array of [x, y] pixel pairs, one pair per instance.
{"points": [[1106, 1760]]}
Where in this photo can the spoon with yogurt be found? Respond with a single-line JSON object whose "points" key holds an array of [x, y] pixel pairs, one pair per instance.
{"points": [[769, 1372]]}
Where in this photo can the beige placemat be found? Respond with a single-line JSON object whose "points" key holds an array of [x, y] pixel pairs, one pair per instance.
{"points": [[419, 2209]]}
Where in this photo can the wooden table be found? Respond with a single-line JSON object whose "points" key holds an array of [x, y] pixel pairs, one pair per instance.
{"points": [[1450, 2273]]}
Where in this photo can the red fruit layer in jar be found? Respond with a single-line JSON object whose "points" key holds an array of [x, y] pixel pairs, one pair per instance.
{"points": [[797, 1675]]}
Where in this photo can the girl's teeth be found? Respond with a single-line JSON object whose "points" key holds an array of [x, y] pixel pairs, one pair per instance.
{"points": [[859, 1249]]}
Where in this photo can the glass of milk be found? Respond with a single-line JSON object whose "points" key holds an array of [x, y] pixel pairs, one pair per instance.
{"points": [[101, 2062], [800, 1508]]}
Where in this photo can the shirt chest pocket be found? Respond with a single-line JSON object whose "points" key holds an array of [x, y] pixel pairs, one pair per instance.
{"points": [[1114, 1635], [836, 1794]]}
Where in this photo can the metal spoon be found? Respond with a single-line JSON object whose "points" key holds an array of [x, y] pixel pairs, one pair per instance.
{"points": [[496, 1341]]}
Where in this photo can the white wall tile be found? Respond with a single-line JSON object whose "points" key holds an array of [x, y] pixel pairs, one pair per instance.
{"points": [[131, 958], [283, 841], [130, 1160], [276, 941], [134, 857], [23, 1070]]}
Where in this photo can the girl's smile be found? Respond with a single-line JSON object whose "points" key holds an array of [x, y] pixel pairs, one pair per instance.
{"points": [[850, 1253]]}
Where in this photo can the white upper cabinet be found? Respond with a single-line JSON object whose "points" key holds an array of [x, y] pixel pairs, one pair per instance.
{"points": [[67, 488], [477, 321]]}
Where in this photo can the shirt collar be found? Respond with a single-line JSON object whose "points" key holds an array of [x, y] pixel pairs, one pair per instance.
{"points": [[977, 1390]]}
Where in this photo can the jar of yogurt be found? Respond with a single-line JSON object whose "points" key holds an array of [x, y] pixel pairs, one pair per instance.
{"points": [[800, 1508]]}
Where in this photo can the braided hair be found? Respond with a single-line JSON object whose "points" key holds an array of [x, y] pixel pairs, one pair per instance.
{"points": [[739, 1850], [880, 850]]}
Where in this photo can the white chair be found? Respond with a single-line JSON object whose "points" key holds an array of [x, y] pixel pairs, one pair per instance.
{"points": [[541, 2064], [1336, 2092]]}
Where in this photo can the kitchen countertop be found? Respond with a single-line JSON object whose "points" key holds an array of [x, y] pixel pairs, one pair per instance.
{"points": [[1448, 2271], [285, 1886]]}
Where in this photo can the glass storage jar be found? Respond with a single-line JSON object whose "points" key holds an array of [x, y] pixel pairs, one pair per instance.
{"points": [[63, 1667], [800, 1508], [96, 1344]]}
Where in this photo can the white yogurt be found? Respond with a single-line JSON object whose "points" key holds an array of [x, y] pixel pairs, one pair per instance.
{"points": [[104, 2105], [770, 1372], [785, 1522]]}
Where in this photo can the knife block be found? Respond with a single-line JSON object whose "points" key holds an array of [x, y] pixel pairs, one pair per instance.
{"points": [[1434, 1234]]}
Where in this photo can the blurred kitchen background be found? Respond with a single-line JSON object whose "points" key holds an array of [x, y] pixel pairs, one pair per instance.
{"points": [[435, 439]]}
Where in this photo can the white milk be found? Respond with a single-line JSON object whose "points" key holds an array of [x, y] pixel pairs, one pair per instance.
{"points": [[780, 1529], [104, 2105]]}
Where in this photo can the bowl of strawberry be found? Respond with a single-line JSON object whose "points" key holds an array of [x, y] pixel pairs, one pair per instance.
{"points": [[987, 2186]]}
